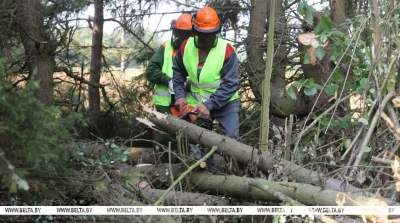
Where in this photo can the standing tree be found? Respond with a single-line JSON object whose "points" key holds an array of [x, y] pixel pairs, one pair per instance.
{"points": [[39, 45], [97, 50], [123, 22]]}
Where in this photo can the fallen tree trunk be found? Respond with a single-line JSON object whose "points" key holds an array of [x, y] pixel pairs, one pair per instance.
{"points": [[247, 154], [159, 175], [239, 187], [304, 193], [285, 199], [186, 198]]}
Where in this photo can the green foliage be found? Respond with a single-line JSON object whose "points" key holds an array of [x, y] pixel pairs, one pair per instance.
{"points": [[115, 153], [135, 52], [344, 145], [342, 122], [331, 89], [320, 52], [307, 58], [323, 25], [367, 149], [306, 10], [310, 88], [41, 138], [38, 131]]}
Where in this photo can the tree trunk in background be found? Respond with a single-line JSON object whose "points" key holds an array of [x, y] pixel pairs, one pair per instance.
{"points": [[97, 50], [280, 106], [123, 21], [255, 53], [320, 70], [38, 48], [281, 39], [338, 13]]}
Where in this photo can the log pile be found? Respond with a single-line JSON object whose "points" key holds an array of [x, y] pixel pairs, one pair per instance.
{"points": [[201, 187]]}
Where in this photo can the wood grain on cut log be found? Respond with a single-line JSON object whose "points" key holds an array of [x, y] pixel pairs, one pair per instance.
{"points": [[310, 39], [246, 154], [203, 165]]}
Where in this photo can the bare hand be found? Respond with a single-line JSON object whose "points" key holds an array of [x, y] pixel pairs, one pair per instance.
{"points": [[181, 104], [202, 110]]}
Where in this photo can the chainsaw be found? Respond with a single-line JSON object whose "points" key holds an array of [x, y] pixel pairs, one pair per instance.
{"points": [[193, 117], [205, 122]]}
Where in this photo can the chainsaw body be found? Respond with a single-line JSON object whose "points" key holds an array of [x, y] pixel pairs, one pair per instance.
{"points": [[201, 121], [194, 118]]}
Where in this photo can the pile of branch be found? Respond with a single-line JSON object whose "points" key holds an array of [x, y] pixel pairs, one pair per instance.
{"points": [[310, 188]]}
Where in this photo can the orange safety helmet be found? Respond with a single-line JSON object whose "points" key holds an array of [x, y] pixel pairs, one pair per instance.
{"points": [[206, 21], [184, 22]]}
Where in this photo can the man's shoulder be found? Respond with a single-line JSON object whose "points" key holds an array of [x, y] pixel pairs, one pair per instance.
{"points": [[183, 45], [229, 51], [182, 48]]}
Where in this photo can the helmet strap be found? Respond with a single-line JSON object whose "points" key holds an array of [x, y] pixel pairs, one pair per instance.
{"points": [[174, 39]]}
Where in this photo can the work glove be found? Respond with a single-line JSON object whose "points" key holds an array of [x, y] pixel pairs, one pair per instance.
{"points": [[171, 87]]}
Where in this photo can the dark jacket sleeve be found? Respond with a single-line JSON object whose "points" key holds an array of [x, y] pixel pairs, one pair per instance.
{"points": [[230, 81], [180, 74], [154, 69]]}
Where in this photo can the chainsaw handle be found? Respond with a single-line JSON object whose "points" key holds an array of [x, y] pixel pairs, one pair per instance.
{"points": [[187, 114]]}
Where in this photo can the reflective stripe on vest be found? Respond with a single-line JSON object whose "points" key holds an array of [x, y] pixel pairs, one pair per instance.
{"points": [[209, 80], [161, 95]]}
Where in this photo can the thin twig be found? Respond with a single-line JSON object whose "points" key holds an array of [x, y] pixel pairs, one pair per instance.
{"points": [[310, 127], [183, 175], [371, 128]]}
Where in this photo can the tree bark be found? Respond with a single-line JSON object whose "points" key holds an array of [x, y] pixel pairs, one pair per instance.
{"points": [[281, 39], [304, 193], [97, 50], [123, 21], [255, 54], [39, 48], [241, 187], [320, 70], [283, 106], [186, 198], [338, 13], [280, 106], [246, 154]]}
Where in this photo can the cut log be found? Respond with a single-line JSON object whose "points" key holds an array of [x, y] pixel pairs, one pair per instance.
{"points": [[138, 155], [157, 176], [239, 187], [186, 198], [92, 149], [310, 39], [247, 155], [304, 193], [203, 165]]}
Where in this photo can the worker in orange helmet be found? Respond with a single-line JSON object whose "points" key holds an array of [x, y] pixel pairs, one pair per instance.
{"points": [[159, 71], [211, 63]]}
